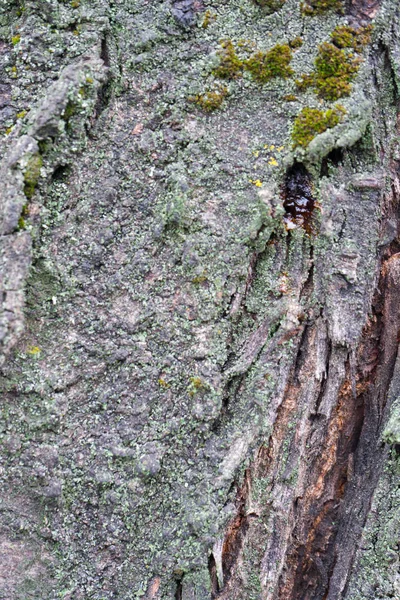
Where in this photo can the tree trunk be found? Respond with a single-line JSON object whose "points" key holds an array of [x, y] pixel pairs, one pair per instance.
{"points": [[200, 283]]}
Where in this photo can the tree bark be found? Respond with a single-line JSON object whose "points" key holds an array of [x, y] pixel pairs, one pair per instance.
{"points": [[199, 319]]}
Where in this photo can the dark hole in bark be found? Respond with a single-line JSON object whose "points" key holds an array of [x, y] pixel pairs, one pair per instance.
{"points": [[334, 159], [212, 567], [298, 200], [61, 173], [179, 589]]}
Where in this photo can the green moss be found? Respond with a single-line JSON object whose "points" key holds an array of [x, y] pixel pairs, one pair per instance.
{"points": [[348, 37], [290, 98], [210, 100], [32, 174], [263, 66], [209, 18], [318, 7], [230, 65], [21, 10], [196, 384], [334, 68], [311, 121], [270, 6], [69, 111], [15, 40], [297, 42]]}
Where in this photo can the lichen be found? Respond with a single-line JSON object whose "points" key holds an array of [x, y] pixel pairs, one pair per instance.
{"points": [[312, 121], [15, 40], [264, 66]]}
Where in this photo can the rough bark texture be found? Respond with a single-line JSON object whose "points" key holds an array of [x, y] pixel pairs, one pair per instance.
{"points": [[199, 324]]}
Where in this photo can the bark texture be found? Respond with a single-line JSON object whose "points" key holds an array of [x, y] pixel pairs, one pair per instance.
{"points": [[199, 323]]}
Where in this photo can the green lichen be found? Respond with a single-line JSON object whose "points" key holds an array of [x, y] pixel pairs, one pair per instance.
{"points": [[32, 174], [230, 65], [334, 69], [210, 100], [311, 121], [318, 7], [264, 66], [15, 40], [348, 37]]}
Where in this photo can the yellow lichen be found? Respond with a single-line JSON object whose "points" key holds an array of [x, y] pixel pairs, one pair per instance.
{"points": [[33, 350]]}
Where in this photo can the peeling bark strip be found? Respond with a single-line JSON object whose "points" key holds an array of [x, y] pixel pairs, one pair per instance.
{"points": [[344, 458]]}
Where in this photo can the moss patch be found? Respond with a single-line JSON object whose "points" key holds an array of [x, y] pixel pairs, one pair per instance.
{"points": [[230, 66], [334, 69], [348, 37], [210, 100], [319, 7], [270, 6], [32, 174], [297, 42], [264, 66], [311, 121]]}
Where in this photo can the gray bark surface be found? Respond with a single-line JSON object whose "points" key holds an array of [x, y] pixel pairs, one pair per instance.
{"points": [[199, 396]]}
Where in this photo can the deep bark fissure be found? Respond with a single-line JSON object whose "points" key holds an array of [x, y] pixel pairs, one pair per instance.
{"points": [[212, 568], [236, 532]]}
